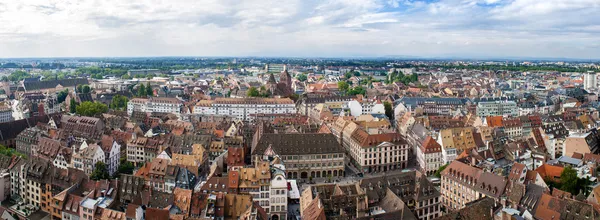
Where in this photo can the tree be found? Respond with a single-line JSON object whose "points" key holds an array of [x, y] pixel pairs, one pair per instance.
{"points": [[125, 76], [18, 75], [73, 106], [85, 89], [100, 172], [438, 173], [343, 86], [149, 91], [142, 91], [91, 108], [10, 152], [119, 102], [252, 92], [357, 90], [568, 180], [125, 167], [302, 77], [62, 95], [348, 75], [389, 111]]}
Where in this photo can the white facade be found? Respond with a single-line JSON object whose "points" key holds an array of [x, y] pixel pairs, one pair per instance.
{"points": [[245, 109], [429, 162], [165, 105], [6, 114], [87, 158], [61, 162], [113, 156], [497, 108], [279, 195], [590, 81]]}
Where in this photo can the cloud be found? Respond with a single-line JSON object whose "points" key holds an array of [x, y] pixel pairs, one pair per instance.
{"points": [[431, 28]]}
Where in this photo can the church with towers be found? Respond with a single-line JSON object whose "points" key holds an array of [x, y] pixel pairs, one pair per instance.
{"points": [[283, 87]]}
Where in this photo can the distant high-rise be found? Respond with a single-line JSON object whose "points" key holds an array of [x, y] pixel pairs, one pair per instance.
{"points": [[275, 68], [590, 81]]}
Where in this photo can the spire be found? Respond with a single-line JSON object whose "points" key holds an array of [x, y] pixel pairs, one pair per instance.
{"points": [[272, 79]]}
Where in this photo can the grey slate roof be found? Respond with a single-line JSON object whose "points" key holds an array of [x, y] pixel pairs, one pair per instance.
{"points": [[38, 85], [298, 144]]}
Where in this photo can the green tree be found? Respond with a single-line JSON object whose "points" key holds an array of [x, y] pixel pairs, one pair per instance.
{"points": [[62, 95], [357, 90], [85, 89], [125, 76], [10, 152], [100, 172], [302, 77], [252, 92], [389, 110], [569, 180], [149, 91], [438, 173], [125, 167], [91, 108], [343, 86], [119, 102], [141, 92], [348, 75], [73, 106], [18, 75]]}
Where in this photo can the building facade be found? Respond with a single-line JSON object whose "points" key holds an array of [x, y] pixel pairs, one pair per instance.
{"points": [[155, 104], [497, 107], [304, 155], [245, 109], [462, 184]]}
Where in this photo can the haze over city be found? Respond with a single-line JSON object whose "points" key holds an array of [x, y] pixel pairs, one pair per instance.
{"points": [[332, 28]]}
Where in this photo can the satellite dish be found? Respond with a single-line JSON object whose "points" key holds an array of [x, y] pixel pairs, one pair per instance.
{"points": [[355, 108]]}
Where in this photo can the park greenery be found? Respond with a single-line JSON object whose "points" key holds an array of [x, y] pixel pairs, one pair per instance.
{"points": [[91, 108], [119, 102], [261, 92]]}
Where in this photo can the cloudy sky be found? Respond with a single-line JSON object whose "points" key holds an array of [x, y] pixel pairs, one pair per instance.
{"points": [[319, 28]]}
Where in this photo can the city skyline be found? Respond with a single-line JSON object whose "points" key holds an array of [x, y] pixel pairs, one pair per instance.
{"points": [[424, 29]]}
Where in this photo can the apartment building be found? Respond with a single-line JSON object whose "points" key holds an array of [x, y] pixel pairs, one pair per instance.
{"points": [[27, 139], [112, 153], [513, 127], [334, 102], [429, 156], [154, 104], [462, 184], [6, 114], [87, 158], [497, 107], [253, 181], [455, 140], [435, 106], [413, 188], [245, 109], [279, 193]]}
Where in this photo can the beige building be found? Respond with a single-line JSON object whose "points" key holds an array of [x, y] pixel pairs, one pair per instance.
{"points": [[579, 143], [371, 152], [462, 184]]}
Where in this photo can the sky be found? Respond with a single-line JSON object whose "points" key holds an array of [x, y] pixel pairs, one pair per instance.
{"points": [[301, 28]]}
